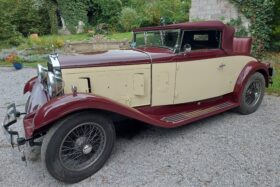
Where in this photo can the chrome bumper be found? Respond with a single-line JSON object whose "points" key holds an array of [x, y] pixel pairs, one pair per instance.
{"points": [[11, 118]]}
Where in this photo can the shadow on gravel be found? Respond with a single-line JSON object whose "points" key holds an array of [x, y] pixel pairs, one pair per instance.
{"points": [[129, 129]]}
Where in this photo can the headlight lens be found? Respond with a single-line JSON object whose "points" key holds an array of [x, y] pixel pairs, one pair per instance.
{"points": [[55, 85], [42, 73]]}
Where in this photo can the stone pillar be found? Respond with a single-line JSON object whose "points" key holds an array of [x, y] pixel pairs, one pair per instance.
{"points": [[216, 10]]}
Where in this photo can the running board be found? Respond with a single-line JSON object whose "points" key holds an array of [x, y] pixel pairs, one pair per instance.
{"points": [[185, 116]]}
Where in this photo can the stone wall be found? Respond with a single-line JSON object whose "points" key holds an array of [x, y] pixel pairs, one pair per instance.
{"points": [[93, 47], [215, 10]]}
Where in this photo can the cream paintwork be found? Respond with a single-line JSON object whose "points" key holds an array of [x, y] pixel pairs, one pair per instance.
{"points": [[129, 85], [172, 83], [163, 83], [204, 79]]}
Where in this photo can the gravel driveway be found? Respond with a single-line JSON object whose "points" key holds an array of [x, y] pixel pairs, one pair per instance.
{"points": [[225, 150]]}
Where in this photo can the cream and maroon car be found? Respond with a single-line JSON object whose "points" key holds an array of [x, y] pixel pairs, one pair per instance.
{"points": [[172, 75]]}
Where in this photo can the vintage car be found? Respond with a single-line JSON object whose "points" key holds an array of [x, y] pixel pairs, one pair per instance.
{"points": [[173, 75]]}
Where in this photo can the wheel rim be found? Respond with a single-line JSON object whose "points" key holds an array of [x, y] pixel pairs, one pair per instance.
{"points": [[253, 93], [82, 146]]}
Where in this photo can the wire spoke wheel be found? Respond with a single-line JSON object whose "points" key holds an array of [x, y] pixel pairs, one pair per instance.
{"points": [[82, 146], [253, 93]]}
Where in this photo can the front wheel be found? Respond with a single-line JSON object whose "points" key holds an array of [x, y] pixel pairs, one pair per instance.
{"points": [[78, 146], [252, 94]]}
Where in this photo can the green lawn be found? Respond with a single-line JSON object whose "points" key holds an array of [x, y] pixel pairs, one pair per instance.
{"points": [[275, 87], [26, 64], [45, 42], [274, 58], [120, 36], [87, 36]]}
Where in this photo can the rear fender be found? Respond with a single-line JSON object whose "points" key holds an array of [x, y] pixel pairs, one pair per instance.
{"points": [[62, 106], [247, 72]]}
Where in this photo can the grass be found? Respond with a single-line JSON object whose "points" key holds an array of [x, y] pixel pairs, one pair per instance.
{"points": [[275, 87], [58, 41], [274, 59], [120, 36], [25, 64]]}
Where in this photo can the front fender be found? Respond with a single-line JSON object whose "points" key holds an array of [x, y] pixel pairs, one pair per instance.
{"points": [[61, 106], [29, 85], [247, 72]]}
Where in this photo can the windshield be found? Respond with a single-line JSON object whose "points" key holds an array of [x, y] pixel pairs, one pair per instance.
{"points": [[164, 38]]}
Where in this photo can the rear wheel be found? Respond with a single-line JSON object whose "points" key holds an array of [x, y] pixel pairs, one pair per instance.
{"points": [[78, 146], [252, 94]]}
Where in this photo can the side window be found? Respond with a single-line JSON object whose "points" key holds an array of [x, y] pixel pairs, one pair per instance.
{"points": [[202, 40], [140, 39]]}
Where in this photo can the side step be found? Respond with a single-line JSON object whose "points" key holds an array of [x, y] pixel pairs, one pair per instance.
{"points": [[185, 116]]}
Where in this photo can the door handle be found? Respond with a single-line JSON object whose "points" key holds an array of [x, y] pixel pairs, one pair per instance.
{"points": [[222, 66]]}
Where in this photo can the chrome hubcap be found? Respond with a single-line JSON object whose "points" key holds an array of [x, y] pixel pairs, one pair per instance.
{"points": [[87, 149]]}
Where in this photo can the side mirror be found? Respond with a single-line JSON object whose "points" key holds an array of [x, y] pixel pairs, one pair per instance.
{"points": [[187, 48]]}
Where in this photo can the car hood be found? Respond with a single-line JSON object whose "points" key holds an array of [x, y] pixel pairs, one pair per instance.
{"points": [[114, 58]]}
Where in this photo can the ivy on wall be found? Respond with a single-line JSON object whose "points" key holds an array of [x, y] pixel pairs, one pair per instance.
{"points": [[90, 12], [260, 13], [73, 11]]}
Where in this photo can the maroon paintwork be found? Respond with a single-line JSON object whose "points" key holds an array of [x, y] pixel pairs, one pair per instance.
{"points": [[29, 85], [242, 46], [249, 70], [107, 58], [42, 111]]}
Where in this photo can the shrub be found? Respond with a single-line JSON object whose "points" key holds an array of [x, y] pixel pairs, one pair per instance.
{"points": [[129, 19], [31, 18], [8, 29], [21, 18], [102, 29], [275, 39]]}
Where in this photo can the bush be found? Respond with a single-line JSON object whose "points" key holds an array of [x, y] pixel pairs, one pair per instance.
{"points": [[275, 38], [8, 29], [46, 43], [151, 12], [21, 18], [31, 18], [102, 29], [129, 19]]}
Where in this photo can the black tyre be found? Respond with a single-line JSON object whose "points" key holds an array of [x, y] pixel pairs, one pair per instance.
{"points": [[78, 146], [252, 94]]}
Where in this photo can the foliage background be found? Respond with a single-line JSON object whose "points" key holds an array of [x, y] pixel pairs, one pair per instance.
{"points": [[260, 13], [20, 18]]}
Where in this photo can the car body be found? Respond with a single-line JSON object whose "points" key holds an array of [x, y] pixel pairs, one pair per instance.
{"points": [[173, 75]]}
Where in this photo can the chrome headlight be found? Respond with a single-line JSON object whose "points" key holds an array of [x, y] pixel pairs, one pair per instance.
{"points": [[55, 84], [42, 73]]}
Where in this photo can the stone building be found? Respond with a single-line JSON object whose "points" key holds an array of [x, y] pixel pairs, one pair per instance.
{"points": [[216, 10]]}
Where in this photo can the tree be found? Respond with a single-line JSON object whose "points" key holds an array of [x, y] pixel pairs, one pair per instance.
{"points": [[275, 45], [129, 19]]}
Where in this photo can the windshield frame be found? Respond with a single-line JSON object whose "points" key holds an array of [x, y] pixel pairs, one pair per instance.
{"points": [[174, 49]]}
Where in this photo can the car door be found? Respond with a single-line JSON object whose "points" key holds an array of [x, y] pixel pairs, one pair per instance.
{"points": [[199, 73], [206, 71]]}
